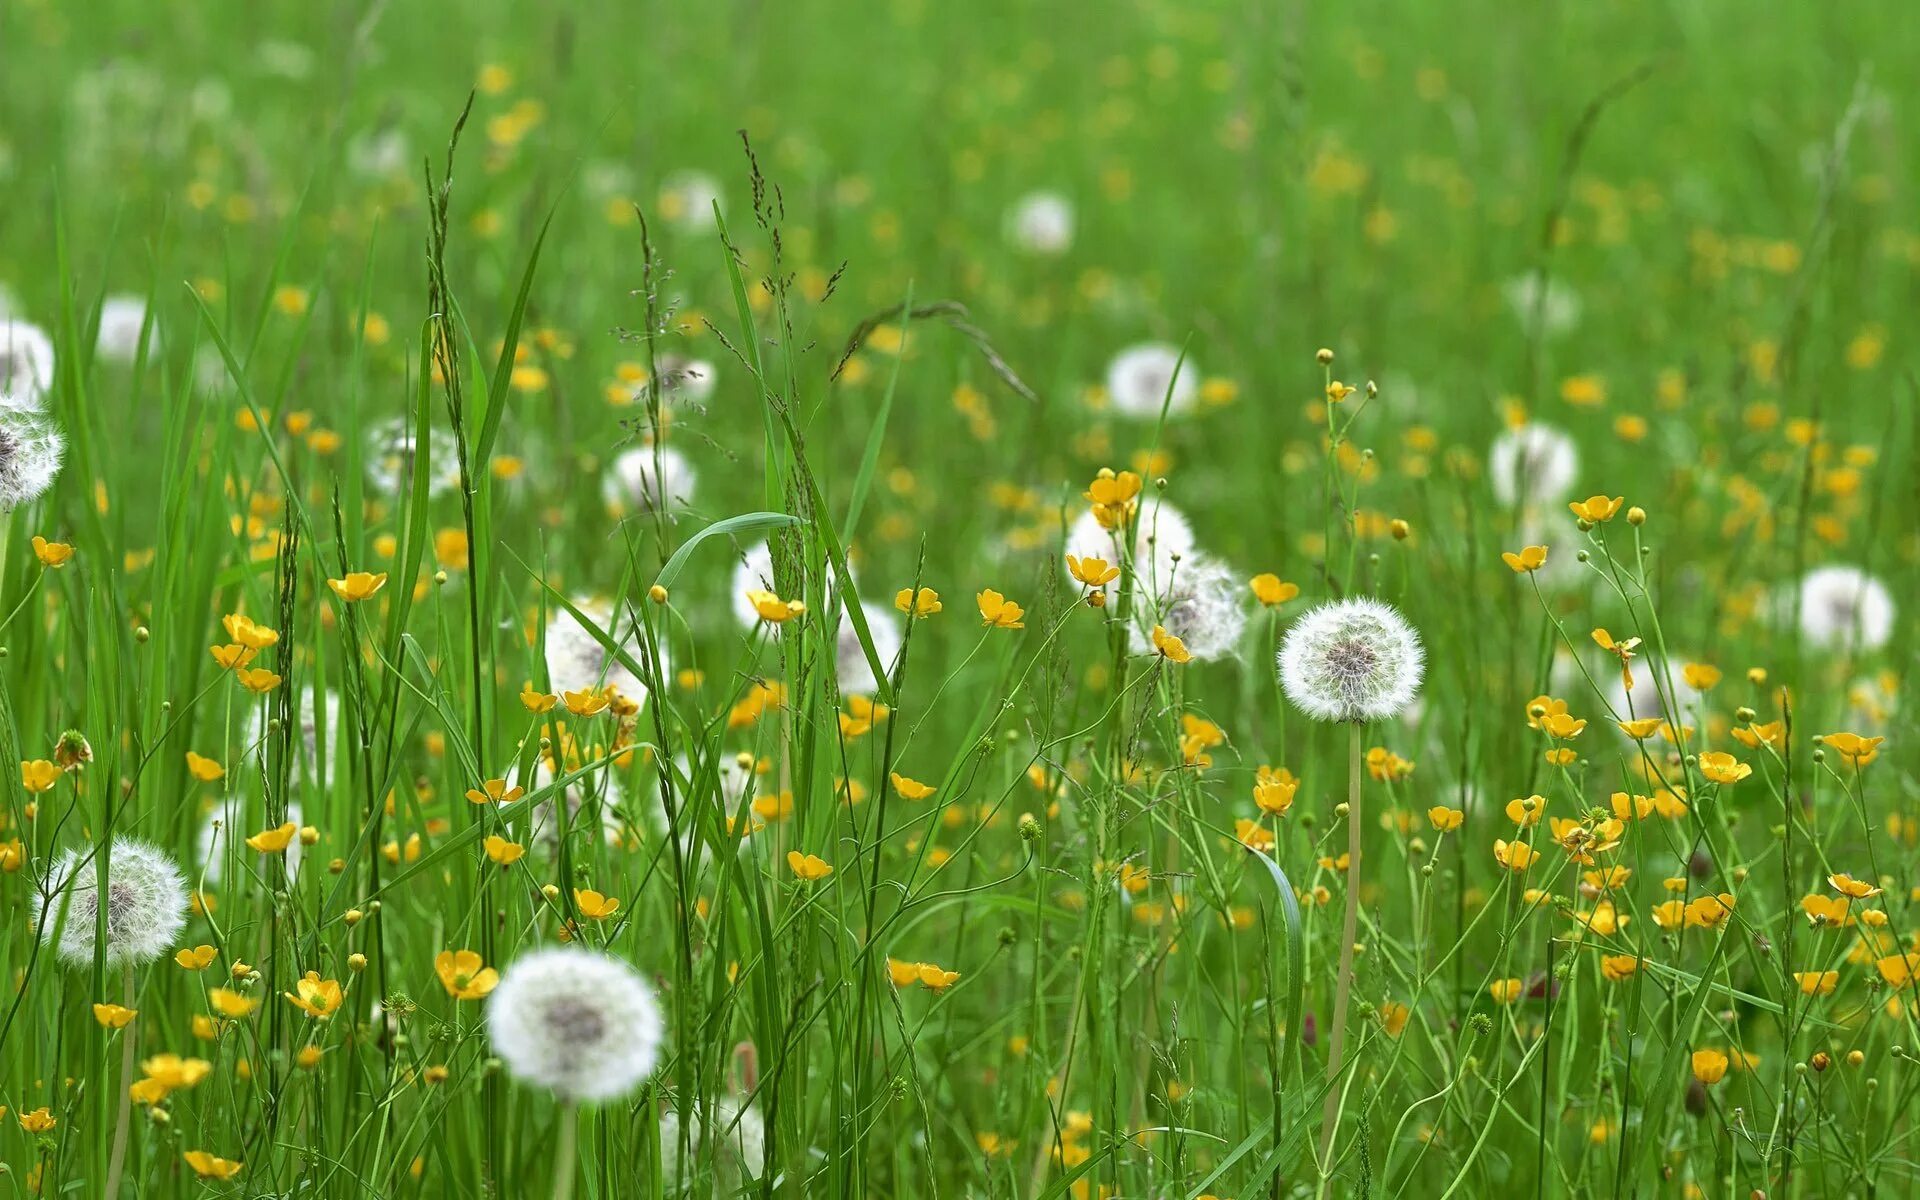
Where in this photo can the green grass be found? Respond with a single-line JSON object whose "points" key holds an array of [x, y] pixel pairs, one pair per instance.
{"points": [[903, 399]]}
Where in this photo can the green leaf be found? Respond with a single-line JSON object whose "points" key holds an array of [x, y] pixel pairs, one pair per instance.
{"points": [[744, 523]]}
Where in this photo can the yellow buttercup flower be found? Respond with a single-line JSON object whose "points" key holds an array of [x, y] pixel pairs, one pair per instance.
{"points": [[318, 998], [259, 680], [197, 958], [1848, 886], [1271, 591], [594, 905], [1721, 767], [113, 1016], [247, 633], [1514, 856], [587, 702], [358, 585], [1093, 572], [809, 867], [1445, 819], [910, 789], [205, 769], [772, 608], [1528, 558], [232, 655], [273, 841], [1851, 746], [537, 702], [38, 1121], [1596, 509], [211, 1166], [1170, 647], [1709, 1066], [999, 612], [464, 975], [923, 603], [38, 775], [495, 791], [52, 554]]}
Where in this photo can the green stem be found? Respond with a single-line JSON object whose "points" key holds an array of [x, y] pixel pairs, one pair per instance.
{"points": [[1343, 990], [117, 1158], [563, 1158]]}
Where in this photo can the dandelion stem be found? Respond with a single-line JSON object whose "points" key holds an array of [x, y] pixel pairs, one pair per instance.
{"points": [[117, 1157], [563, 1156], [1343, 989]]}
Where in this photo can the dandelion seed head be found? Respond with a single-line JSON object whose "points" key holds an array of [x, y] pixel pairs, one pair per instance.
{"points": [[121, 319], [752, 573], [738, 1142], [647, 478], [224, 827], [1352, 660], [1204, 606], [1163, 538], [307, 736], [1041, 223], [26, 364], [1533, 464], [391, 455], [688, 199], [1844, 607], [1139, 376], [684, 381], [576, 661], [146, 904], [31, 451], [575, 1021], [1558, 309], [855, 673]]}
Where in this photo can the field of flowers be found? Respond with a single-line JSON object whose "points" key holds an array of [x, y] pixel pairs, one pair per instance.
{"points": [[959, 601]]}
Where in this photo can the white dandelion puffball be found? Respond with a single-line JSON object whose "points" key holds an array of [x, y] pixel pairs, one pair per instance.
{"points": [[1041, 223], [1845, 608], [26, 364], [1531, 464], [146, 904], [1204, 606], [544, 821], [687, 198], [738, 1138], [851, 665], [379, 153], [31, 450], [647, 478], [1162, 538], [222, 829], [684, 380], [753, 573], [391, 455], [1650, 679], [308, 736], [121, 319], [1139, 376], [1352, 660], [1558, 309], [577, 661], [580, 1023]]}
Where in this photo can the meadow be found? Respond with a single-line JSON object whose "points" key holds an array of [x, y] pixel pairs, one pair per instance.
{"points": [[1197, 600]]}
